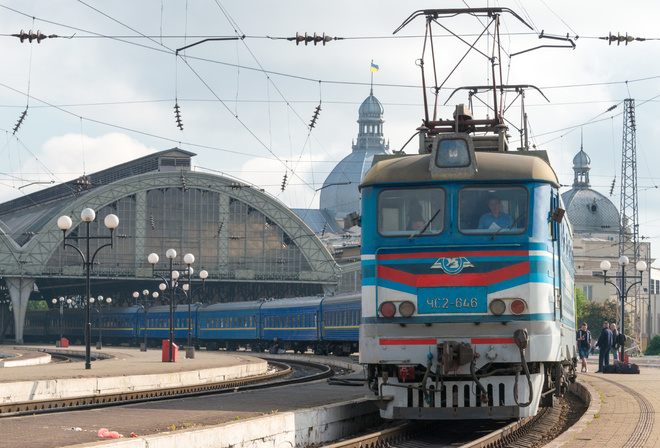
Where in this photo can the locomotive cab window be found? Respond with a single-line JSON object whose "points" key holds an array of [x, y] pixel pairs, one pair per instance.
{"points": [[403, 212], [493, 210]]}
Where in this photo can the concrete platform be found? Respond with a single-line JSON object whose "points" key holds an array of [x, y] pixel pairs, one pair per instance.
{"points": [[125, 370], [621, 412], [285, 416], [21, 358]]}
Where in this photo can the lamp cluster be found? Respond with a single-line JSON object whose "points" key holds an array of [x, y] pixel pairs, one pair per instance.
{"points": [[171, 282], [621, 289]]}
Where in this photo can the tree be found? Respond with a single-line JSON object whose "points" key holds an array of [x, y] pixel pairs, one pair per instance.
{"points": [[653, 349], [580, 303], [594, 314]]}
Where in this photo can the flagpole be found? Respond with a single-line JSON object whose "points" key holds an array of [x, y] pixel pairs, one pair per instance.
{"points": [[372, 78]]}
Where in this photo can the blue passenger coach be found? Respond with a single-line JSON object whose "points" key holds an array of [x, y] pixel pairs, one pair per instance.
{"points": [[118, 324], [341, 323], [295, 323], [158, 322], [230, 325]]}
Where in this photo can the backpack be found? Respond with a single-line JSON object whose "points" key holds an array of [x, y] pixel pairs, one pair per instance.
{"points": [[621, 340], [625, 367], [611, 368]]}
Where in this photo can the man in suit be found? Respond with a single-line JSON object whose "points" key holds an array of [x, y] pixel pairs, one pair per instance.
{"points": [[604, 343]]}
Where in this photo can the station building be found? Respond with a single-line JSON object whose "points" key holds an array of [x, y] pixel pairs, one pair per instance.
{"points": [[252, 245], [596, 235]]}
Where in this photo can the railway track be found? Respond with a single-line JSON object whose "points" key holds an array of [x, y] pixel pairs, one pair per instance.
{"points": [[282, 376], [526, 432]]}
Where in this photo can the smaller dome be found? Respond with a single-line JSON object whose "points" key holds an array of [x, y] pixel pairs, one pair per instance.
{"points": [[590, 212], [371, 107], [581, 160]]}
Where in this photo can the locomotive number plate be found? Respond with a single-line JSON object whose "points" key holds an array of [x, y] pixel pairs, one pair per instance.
{"points": [[452, 300]]}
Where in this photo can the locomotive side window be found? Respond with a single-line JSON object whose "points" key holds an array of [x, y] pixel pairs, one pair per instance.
{"points": [[490, 210], [404, 212]]}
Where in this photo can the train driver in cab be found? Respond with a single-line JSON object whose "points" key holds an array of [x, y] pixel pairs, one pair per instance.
{"points": [[415, 220], [495, 218]]}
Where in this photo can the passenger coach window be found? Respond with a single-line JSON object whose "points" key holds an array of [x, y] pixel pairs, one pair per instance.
{"points": [[411, 211], [490, 210]]}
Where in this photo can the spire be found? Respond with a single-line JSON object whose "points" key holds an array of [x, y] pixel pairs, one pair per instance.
{"points": [[370, 120], [581, 167]]}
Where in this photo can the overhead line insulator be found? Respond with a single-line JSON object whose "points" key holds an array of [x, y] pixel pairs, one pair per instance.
{"points": [[20, 121], [30, 36], [284, 182], [177, 116], [619, 38], [315, 38], [315, 117]]}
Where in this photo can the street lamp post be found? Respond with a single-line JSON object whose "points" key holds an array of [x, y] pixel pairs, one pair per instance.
{"points": [[99, 302], [61, 302], [145, 307], [3, 302], [203, 274], [64, 223], [622, 291], [171, 282]]}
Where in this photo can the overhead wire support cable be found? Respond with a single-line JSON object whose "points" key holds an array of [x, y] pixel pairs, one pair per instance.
{"points": [[209, 40]]}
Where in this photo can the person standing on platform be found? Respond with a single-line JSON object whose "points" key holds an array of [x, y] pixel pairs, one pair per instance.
{"points": [[604, 344], [583, 337], [615, 341]]}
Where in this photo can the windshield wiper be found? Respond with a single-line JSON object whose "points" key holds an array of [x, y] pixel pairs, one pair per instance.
{"points": [[413, 235], [513, 224]]}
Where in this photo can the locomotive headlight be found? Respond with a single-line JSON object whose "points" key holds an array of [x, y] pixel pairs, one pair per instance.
{"points": [[497, 307], [518, 306], [406, 309], [387, 309]]}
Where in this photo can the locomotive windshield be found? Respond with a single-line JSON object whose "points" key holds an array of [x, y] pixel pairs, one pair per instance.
{"points": [[411, 211], [493, 210]]}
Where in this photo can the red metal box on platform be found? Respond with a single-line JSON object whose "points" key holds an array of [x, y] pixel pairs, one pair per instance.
{"points": [[166, 351], [64, 342]]}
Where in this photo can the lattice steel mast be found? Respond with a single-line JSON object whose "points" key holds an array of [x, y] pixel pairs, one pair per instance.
{"points": [[629, 224]]}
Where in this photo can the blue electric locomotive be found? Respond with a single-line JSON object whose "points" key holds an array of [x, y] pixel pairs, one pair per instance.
{"points": [[468, 307]]}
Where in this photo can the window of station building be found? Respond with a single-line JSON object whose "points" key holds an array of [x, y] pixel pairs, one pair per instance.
{"points": [[408, 211], [493, 209], [588, 292]]}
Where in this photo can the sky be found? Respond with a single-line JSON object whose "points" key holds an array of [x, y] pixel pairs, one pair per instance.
{"points": [[104, 90]]}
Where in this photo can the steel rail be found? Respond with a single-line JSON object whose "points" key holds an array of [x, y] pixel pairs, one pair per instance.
{"points": [[517, 431]]}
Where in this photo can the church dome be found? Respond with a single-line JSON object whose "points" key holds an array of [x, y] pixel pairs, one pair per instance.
{"points": [[588, 210], [581, 160], [340, 194], [371, 108]]}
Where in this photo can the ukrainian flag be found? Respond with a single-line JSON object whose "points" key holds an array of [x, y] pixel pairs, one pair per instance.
{"points": [[374, 67]]}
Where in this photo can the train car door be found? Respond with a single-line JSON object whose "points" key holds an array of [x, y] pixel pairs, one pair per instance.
{"points": [[556, 234]]}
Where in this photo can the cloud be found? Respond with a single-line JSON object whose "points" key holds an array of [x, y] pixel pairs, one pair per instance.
{"points": [[68, 156]]}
